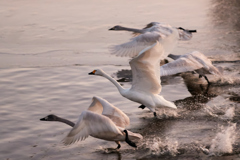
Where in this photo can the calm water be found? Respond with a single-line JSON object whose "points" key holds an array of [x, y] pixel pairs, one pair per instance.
{"points": [[48, 48]]}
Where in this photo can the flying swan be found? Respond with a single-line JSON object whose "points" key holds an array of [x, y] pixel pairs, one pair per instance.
{"points": [[167, 36], [146, 83], [194, 61], [101, 120]]}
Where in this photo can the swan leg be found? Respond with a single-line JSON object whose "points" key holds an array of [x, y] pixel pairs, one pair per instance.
{"points": [[142, 106], [207, 79], [119, 145], [155, 114]]}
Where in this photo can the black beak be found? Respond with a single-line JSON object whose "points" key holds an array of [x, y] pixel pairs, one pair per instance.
{"points": [[111, 29], [42, 119], [91, 73], [191, 31]]}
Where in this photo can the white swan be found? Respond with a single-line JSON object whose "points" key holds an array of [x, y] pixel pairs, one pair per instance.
{"points": [[100, 121], [167, 35], [194, 61], [146, 84]]}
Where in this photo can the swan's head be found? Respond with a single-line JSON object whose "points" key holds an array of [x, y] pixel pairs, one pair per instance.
{"points": [[116, 28], [50, 117], [97, 72]]}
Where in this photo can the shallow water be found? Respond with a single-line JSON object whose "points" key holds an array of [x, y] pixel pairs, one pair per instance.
{"points": [[48, 48]]}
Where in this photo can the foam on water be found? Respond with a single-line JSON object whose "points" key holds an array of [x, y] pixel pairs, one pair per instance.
{"points": [[229, 114], [159, 147], [167, 113], [229, 80], [223, 141]]}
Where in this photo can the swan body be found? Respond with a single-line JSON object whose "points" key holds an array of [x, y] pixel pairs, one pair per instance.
{"points": [[146, 84], [102, 120], [194, 61], [167, 35]]}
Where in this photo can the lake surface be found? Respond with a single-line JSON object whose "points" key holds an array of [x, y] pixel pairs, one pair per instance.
{"points": [[47, 49]]}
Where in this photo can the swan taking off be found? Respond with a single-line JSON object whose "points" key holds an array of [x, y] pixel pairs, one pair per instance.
{"points": [[102, 120], [194, 61], [167, 35], [146, 83]]}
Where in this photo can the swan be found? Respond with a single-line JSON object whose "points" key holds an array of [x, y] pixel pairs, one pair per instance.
{"points": [[194, 61], [146, 83], [101, 120], [167, 35]]}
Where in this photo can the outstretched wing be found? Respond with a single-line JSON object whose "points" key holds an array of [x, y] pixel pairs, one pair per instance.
{"points": [[102, 106], [189, 62], [135, 45], [146, 70], [92, 124], [182, 64], [207, 63]]}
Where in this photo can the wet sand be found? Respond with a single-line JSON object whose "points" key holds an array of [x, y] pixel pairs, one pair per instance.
{"points": [[47, 50]]}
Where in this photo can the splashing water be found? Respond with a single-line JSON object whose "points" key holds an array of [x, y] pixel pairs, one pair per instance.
{"points": [[230, 79], [167, 113], [223, 141], [229, 114], [159, 147]]}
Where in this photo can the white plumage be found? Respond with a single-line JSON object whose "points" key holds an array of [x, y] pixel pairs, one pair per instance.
{"points": [[102, 120], [194, 61], [95, 125], [146, 84], [167, 36], [102, 106]]}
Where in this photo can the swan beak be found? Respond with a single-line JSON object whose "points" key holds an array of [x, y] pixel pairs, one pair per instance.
{"points": [[92, 73], [111, 29], [43, 119], [191, 31]]}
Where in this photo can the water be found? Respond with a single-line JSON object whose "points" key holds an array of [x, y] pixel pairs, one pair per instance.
{"points": [[48, 48]]}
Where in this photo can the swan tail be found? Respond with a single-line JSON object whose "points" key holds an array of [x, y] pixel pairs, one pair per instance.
{"points": [[165, 103]]}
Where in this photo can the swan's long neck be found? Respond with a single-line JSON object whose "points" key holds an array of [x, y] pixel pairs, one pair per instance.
{"points": [[119, 87], [174, 56], [128, 140], [59, 119], [132, 30]]}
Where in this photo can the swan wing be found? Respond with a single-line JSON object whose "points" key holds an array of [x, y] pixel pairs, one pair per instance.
{"points": [[90, 123], [135, 45], [146, 70], [102, 106], [182, 64], [207, 63]]}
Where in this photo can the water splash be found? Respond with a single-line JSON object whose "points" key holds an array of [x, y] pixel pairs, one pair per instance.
{"points": [[223, 141], [230, 79], [229, 114], [166, 113], [210, 111], [160, 147]]}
